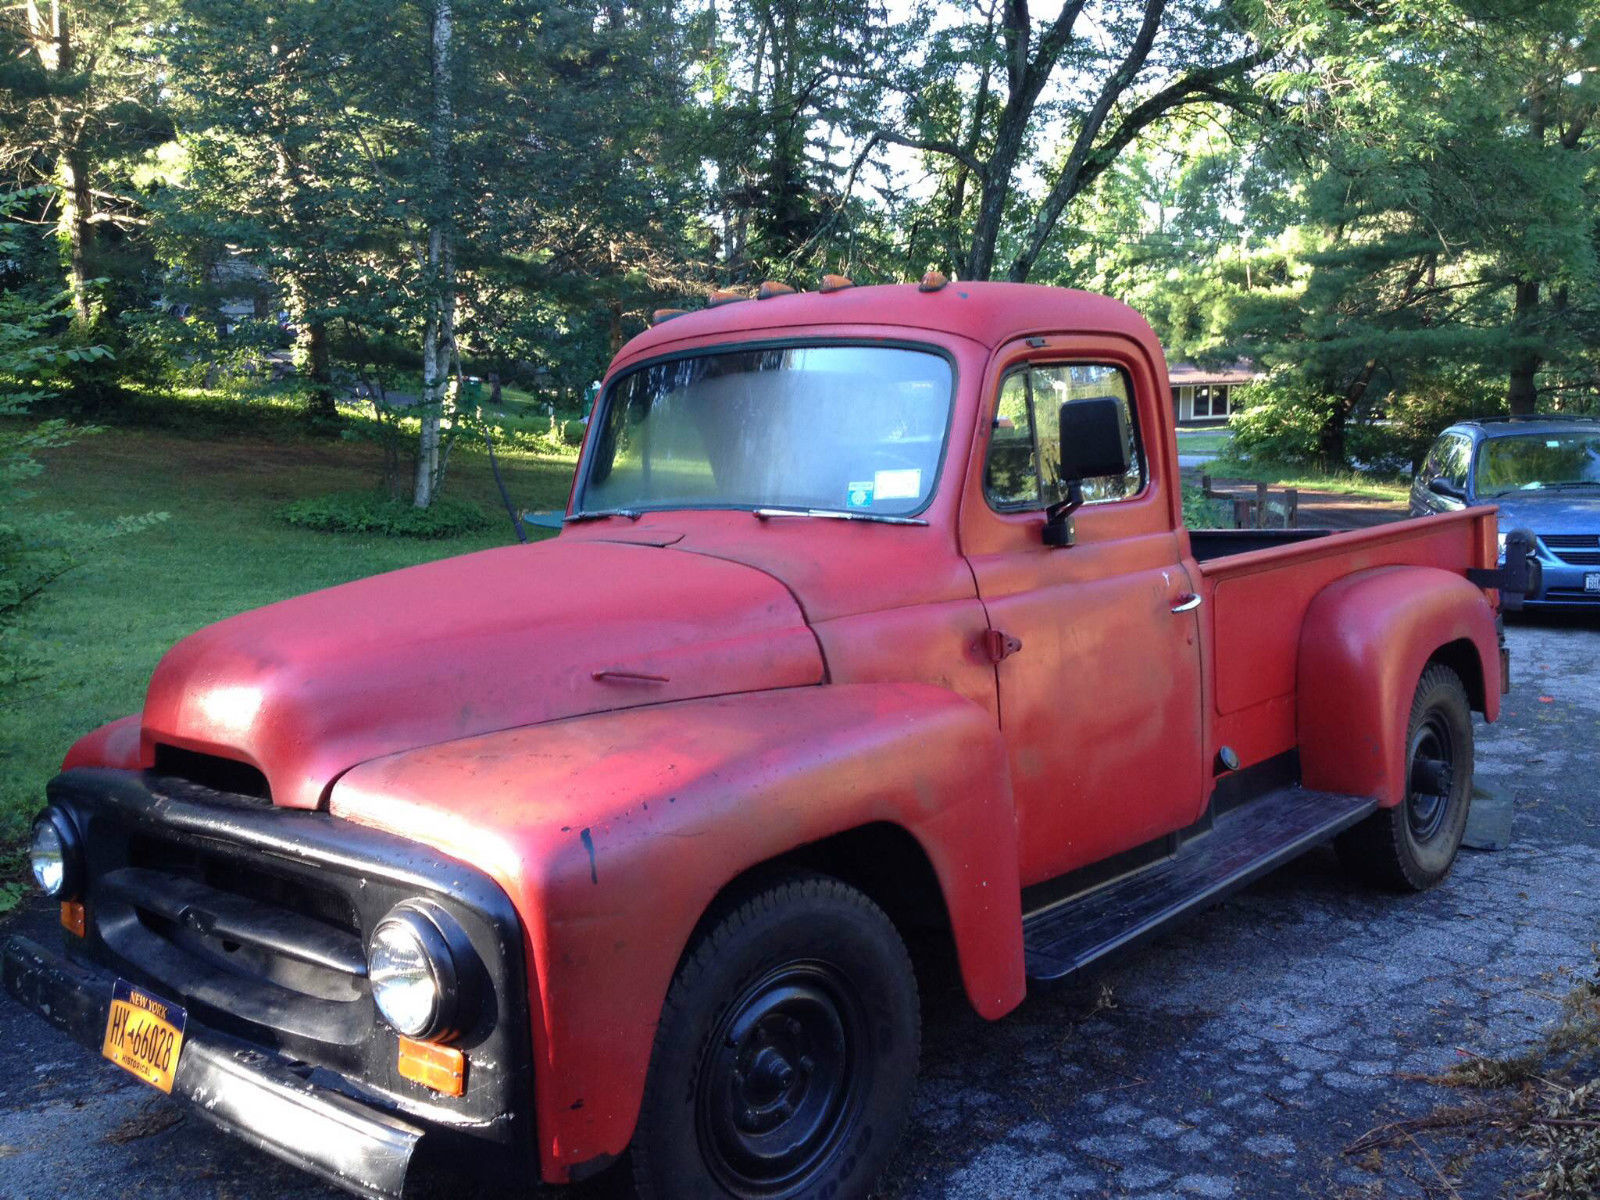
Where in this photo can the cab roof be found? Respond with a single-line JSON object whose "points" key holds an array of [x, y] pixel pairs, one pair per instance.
{"points": [[988, 313]]}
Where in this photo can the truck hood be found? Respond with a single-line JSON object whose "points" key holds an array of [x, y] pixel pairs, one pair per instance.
{"points": [[305, 689]]}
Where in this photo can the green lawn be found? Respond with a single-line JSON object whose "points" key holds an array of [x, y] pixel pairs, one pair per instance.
{"points": [[1344, 483], [1203, 441], [101, 629]]}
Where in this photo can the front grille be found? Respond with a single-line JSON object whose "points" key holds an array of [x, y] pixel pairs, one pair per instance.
{"points": [[255, 919], [267, 930], [1579, 549], [268, 949]]}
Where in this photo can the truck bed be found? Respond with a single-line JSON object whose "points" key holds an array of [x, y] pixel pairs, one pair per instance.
{"points": [[1208, 544], [1258, 584]]}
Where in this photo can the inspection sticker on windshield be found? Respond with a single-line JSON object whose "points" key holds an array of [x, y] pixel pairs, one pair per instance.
{"points": [[860, 495], [898, 485]]}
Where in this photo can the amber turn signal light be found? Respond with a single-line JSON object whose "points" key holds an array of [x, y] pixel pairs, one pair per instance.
{"points": [[442, 1068], [836, 283], [73, 917], [772, 288], [665, 314], [932, 282], [724, 297]]}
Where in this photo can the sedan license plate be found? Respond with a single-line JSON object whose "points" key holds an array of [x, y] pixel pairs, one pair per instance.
{"points": [[144, 1034], [1591, 581]]}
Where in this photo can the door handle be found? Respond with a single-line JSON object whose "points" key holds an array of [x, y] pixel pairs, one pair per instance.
{"points": [[1187, 604]]}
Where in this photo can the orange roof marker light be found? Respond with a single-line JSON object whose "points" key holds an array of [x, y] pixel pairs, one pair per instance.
{"points": [[932, 282], [666, 314], [836, 283], [772, 288], [719, 296]]}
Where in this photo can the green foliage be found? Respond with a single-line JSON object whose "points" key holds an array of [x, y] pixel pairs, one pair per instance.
{"points": [[1279, 419], [1202, 512], [36, 547], [573, 433], [373, 512]]}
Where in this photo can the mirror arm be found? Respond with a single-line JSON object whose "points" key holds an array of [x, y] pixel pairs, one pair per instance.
{"points": [[1059, 528]]}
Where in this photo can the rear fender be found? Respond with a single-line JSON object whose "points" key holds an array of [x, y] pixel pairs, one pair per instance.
{"points": [[1364, 644], [613, 834]]}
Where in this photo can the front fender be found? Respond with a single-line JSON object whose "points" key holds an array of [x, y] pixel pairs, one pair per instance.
{"points": [[613, 833], [1363, 646]]}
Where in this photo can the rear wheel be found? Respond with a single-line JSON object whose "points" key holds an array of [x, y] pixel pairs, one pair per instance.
{"points": [[1411, 846], [786, 1056]]}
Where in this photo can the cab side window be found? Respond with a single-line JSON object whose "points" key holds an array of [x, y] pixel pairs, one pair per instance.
{"points": [[1022, 471]]}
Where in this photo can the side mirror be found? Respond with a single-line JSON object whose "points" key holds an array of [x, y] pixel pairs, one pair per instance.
{"points": [[1094, 438], [1443, 487], [1094, 443]]}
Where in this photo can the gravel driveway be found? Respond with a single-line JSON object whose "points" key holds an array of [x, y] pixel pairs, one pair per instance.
{"points": [[1237, 1057]]}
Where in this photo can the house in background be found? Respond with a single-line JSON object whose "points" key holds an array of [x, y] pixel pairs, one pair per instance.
{"points": [[1204, 395]]}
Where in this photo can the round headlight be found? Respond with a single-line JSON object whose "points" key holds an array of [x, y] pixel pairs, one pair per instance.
{"points": [[52, 854], [412, 973]]}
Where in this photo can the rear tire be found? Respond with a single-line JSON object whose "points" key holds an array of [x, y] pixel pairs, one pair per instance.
{"points": [[1411, 846], [786, 1056]]}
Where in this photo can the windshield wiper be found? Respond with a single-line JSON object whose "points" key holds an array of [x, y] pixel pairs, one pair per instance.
{"points": [[597, 514], [835, 514]]}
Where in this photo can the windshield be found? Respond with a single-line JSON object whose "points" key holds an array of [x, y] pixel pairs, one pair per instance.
{"points": [[856, 429], [1537, 462]]}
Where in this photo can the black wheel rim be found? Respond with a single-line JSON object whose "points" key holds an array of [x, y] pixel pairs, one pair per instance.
{"points": [[1432, 777], [781, 1079]]}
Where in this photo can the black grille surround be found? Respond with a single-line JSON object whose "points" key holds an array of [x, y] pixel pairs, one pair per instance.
{"points": [[256, 920]]}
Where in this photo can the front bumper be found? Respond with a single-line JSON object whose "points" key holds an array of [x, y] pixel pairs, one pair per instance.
{"points": [[1563, 587], [257, 1096]]}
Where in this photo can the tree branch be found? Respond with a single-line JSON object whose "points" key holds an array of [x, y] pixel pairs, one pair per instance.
{"points": [[931, 145], [1086, 161]]}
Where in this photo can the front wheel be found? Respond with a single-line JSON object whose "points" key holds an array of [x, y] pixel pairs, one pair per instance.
{"points": [[786, 1056], [1411, 846]]}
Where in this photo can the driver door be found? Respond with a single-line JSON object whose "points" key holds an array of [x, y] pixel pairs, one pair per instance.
{"points": [[1101, 705]]}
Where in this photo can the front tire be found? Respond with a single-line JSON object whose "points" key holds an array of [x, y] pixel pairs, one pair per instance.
{"points": [[1411, 846], [786, 1056]]}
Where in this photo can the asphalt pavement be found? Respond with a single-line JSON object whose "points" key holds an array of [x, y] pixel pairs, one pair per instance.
{"points": [[1239, 1056]]}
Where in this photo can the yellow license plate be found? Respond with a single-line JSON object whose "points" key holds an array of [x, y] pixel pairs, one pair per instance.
{"points": [[144, 1034]]}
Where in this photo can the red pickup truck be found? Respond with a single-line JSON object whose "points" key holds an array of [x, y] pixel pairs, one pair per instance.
{"points": [[873, 612]]}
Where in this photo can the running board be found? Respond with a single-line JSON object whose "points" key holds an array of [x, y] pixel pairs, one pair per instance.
{"points": [[1244, 844]]}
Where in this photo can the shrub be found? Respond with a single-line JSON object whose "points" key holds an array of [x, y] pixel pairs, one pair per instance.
{"points": [[1279, 419], [374, 512], [1202, 512], [572, 433]]}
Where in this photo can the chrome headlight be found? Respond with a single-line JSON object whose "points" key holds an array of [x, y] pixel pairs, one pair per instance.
{"points": [[412, 972], [53, 855]]}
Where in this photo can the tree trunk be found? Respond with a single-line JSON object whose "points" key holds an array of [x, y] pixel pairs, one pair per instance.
{"points": [[50, 37], [1333, 452], [319, 371], [438, 336], [1522, 395]]}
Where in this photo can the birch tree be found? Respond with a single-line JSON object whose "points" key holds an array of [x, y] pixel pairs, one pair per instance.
{"points": [[439, 323]]}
